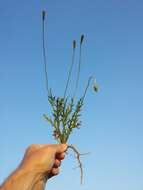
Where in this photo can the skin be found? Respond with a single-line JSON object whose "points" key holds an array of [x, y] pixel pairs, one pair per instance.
{"points": [[40, 163]]}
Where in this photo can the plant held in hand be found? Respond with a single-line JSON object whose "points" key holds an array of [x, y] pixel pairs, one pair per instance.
{"points": [[65, 111]]}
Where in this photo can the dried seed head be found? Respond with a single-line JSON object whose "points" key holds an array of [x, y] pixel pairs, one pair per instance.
{"points": [[74, 44], [43, 15], [81, 39], [95, 86]]}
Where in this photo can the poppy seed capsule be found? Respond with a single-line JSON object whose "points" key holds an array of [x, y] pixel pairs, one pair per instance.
{"points": [[43, 15], [95, 86], [81, 39], [74, 44]]}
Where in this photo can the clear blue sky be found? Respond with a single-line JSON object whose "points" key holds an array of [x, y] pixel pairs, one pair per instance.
{"points": [[112, 119]]}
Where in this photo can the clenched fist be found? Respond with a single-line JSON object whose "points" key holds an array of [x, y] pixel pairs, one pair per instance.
{"points": [[40, 162]]}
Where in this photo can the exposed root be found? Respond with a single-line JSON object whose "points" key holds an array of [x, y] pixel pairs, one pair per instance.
{"points": [[79, 161]]}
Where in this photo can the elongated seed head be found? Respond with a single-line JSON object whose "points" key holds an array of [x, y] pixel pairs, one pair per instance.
{"points": [[81, 39], [43, 15], [74, 44]]}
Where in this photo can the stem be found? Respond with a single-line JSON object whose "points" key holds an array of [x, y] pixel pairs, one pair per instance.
{"points": [[78, 74], [79, 65], [87, 86], [71, 67], [44, 51]]}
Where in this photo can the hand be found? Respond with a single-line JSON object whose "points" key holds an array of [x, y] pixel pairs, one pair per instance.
{"points": [[40, 162], [44, 159]]}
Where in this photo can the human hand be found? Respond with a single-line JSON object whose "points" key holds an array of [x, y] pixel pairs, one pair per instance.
{"points": [[44, 159], [40, 162]]}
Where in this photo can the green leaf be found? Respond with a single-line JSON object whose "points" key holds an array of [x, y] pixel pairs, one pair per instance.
{"points": [[48, 119]]}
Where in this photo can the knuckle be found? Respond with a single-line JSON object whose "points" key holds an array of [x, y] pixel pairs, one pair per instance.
{"points": [[31, 148]]}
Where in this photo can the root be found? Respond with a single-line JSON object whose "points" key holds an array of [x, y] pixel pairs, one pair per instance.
{"points": [[79, 161]]}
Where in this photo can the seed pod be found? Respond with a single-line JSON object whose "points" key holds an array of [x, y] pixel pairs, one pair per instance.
{"points": [[74, 44], [43, 15], [81, 39], [95, 86]]}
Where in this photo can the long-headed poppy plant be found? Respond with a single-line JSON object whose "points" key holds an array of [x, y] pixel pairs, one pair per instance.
{"points": [[65, 111]]}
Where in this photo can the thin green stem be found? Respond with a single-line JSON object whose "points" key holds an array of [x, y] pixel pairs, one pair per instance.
{"points": [[44, 51], [87, 86], [79, 65], [71, 67]]}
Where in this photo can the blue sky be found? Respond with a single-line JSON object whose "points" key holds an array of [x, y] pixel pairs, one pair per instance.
{"points": [[112, 119]]}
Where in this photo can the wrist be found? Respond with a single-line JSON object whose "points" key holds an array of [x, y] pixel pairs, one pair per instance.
{"points": [[24, 179]]}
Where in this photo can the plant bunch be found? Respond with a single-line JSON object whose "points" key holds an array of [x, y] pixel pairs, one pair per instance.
{"points": [[66, 111], [65, 117]]}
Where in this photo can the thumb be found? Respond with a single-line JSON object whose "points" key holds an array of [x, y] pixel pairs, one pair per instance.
{"points": [[60, 148]]}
